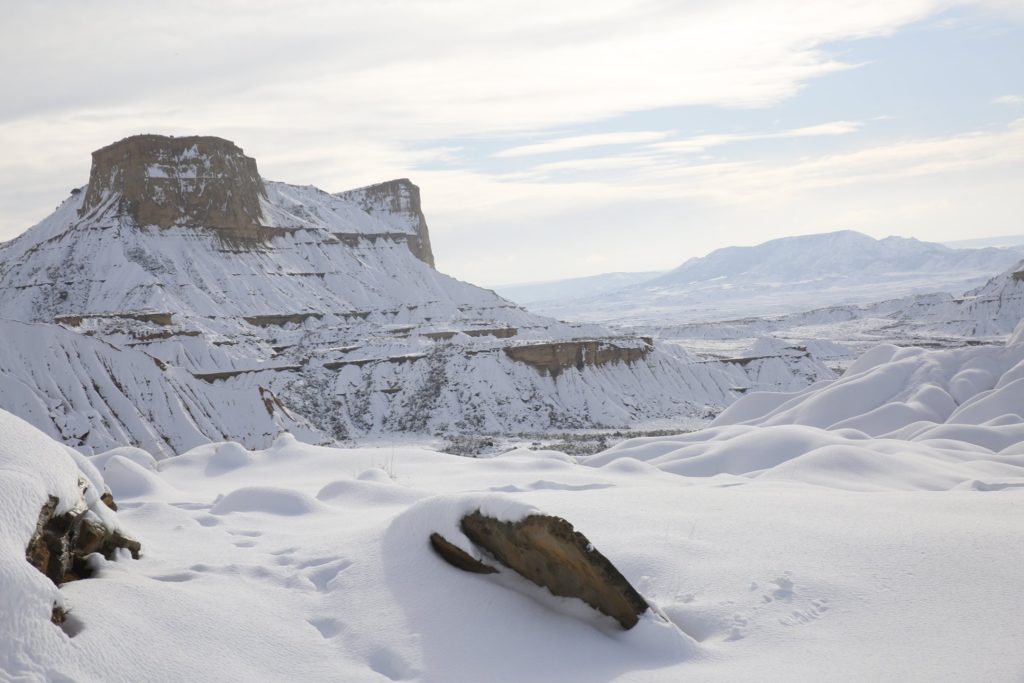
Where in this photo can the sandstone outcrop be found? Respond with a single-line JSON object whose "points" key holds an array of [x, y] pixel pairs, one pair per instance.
{"points": [[550, 553], [554, 357], [196, 181], [397, 202]]}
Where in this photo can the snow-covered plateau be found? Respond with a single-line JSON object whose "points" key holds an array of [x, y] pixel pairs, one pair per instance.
{"points": [[180, 299], [863, 529]]}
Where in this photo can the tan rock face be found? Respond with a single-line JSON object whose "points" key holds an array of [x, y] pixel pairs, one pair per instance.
{"points": [[552, 358], [550, 553], [398, 199], [191, 181]]}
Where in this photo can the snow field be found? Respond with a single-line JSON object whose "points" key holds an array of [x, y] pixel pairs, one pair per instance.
{"points": [[864, 529]]}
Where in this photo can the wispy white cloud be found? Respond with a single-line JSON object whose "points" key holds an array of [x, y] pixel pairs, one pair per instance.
{"points": [[583, 142], [701, 143], [1014, 100], [653, 176], [942, 186], [341, 94]]}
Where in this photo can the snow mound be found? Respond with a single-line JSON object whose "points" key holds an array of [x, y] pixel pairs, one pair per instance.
{"points": [[33, 468], [127, 479], [266, 499], [899, 419]]}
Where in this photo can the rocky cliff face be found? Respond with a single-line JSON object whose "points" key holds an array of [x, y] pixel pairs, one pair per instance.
{"points": [[553, 358], [167, 181], [149, 316], [397, 203]]}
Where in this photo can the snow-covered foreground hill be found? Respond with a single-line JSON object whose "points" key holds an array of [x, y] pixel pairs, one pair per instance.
{"points": [[864, 529]]}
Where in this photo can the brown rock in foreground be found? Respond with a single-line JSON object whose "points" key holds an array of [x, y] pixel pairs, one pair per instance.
{"points": [[550, 553], [457, 557], [61, 543]]}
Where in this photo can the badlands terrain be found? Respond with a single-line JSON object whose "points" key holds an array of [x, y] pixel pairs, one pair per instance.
{"points": [[261, 377]]}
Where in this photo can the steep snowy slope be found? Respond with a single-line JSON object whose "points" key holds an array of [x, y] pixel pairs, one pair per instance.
{"points": [[329, 303], [993, 309], [789, 275], [92, 395]]}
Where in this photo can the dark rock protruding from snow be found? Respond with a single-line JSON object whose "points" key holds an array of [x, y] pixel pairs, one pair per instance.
{"points": [[550, 553], [457, 557], [61, 543], [197, 181]]}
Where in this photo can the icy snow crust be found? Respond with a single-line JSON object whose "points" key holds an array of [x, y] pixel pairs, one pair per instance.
{"points": [[864, 529]]}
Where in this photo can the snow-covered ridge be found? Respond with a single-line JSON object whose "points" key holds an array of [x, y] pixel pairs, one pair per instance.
{"points": [[785, 276], [326, 303]]}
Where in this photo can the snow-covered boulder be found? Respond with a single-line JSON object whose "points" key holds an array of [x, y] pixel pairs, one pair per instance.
{"points": [[548, 551], [52, 514]]}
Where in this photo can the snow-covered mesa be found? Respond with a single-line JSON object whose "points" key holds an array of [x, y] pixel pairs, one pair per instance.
{"points": [[147, 312], [802, 537]]}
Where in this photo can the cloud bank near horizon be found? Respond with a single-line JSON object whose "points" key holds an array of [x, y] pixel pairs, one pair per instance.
{"points": [[681, 126]]}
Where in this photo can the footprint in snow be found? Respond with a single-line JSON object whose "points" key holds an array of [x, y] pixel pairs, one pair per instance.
{"points": [[328, 627], [179, 577], [322, 576], [387, 662]]}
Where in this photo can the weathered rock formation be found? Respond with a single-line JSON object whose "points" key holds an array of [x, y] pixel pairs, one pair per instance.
{"points": [[195, 181], [550, 553], [181, 282], [61, 543], [552, 358], [397, 203]]}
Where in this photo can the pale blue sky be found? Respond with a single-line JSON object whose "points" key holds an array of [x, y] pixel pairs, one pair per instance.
{"points": [[552, 139]]}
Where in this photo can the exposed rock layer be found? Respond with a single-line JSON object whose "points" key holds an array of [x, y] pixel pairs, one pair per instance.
{"points": [[397, 200], [553, 358], [194, 181]]}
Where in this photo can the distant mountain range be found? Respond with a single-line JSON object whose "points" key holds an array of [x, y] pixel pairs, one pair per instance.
{"points": [[779, 276]]}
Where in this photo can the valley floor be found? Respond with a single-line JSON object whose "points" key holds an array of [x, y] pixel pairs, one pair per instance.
{"points": [[866, 528], [307, 563]]}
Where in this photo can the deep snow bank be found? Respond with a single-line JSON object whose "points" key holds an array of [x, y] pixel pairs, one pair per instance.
{"points": [[307, 563], [900, 418], [34, 468]]}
